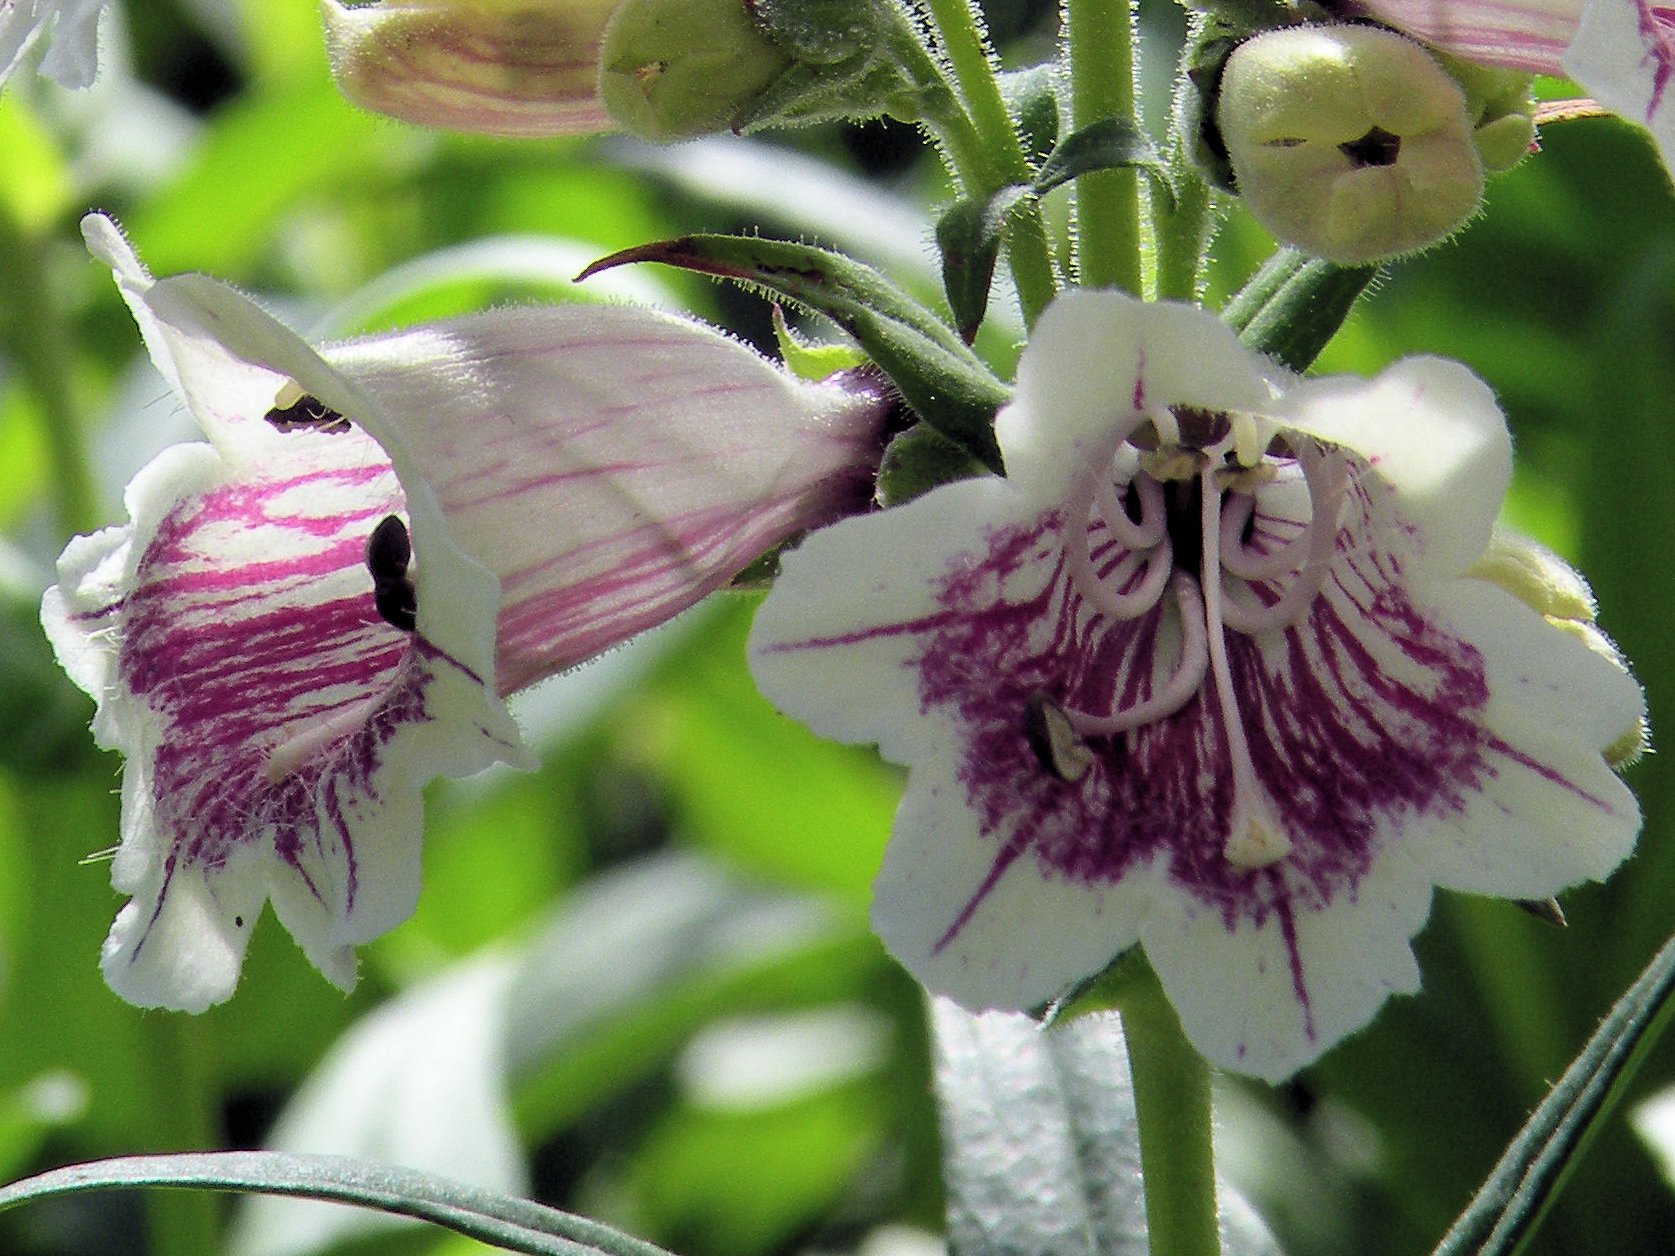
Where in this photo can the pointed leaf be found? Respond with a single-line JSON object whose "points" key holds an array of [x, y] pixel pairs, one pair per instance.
{"points": [[517, 1225], [1109, 144], [940, 378], [1041, 1142], [969, 235], [1517, 1193]]}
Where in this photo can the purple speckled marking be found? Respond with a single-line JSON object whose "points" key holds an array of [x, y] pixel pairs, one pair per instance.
{"points": [[1657, 34], [251, 623], [1362, 713]]}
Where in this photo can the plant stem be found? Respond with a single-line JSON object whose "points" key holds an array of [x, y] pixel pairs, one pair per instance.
{"points": [[1100, 37], [32, 328], [1172, 1101], [182, 1223], [1028, 252]]}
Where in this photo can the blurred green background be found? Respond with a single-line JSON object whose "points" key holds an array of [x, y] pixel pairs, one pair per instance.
{"points": [[640, 983]]}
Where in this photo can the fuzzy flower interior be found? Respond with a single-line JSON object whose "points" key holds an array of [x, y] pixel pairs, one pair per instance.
{"points": [[1207, 673]]}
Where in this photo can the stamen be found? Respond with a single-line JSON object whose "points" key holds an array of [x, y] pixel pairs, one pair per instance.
{"points": [[1186, 681], [1154, 515], [1254, 838], [1117, 604], [1053, 739], [285, 758], [1327, 477]]}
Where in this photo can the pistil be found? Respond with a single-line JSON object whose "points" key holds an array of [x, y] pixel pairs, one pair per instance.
{"points": [[1254, 837]]}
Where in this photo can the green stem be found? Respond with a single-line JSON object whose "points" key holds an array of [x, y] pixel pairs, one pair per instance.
{"points": [[1172, 1101], [1100, 37], [1029, 253], [33, 330], [1181, 230], [181, 1223]]}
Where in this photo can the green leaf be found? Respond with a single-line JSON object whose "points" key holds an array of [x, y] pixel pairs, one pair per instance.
{"points": [[812, 361], [940, 378], [969, 235], [1518, 1192], [1109, 144], [517, 1225], [1041, 1144], [919, 460], [1294, 304]]}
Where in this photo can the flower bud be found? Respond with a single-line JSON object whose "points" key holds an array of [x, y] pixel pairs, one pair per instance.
{"points": [[673, 69], [1501, 108], [1349, 142], [497, 67]]}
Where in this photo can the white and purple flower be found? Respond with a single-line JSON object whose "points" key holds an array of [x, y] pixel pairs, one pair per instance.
{"points": [[72, 57], [1209, 671], [319, 611], [1621, 51]]}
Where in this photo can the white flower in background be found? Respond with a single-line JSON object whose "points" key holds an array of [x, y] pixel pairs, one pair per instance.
{"points": [[71, 28], [1210, 671], [1621, 51], [319, 611]]}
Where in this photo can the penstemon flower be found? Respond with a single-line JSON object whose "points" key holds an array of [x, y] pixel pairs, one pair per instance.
{"points": [[1212, 670], [1621, 51], [73, 57], [318, 612]]}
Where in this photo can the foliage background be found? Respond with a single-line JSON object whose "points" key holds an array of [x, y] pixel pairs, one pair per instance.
{"points": [[655, 946]]}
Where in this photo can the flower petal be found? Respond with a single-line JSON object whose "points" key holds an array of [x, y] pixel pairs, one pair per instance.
{"points": [[1431, 430], [72, 59], [612, 465], [1132, 358], [1624, 54]]}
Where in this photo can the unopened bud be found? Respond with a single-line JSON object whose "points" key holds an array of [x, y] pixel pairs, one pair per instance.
{"points": [[1349, 142], [1501, 107], [495, 67]]}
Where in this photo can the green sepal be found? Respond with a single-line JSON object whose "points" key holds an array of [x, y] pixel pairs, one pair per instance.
{"points": [[1031, 98], [1105, 991], [1294, 305], [811, 361], [1109, 144], [939, 377], [1519, 1189], [969, 235], [970, 232], [919, 460]]}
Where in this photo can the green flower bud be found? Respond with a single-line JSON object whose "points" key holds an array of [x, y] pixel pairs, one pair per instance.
{"points": [[1501, 107], [673, 69], [496, 67], [1349, 142]]}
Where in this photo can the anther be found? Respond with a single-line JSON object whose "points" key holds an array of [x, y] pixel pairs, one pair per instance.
{"points": [[294, 409], [1053, 740], [388, 552]]}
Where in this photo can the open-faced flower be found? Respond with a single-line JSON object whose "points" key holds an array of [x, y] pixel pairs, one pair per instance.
{"points": [[1209, 671], [311, 616], [1621, 51], [72, 59]]}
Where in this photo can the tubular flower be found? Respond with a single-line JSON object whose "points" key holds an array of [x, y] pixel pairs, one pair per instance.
{"points": [[496, 67], [73, 58], [1621, 51], [1209, 672], [311, 616]]}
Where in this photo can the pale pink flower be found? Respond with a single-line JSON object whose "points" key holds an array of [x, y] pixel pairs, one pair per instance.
{"points": [[541, 483]]}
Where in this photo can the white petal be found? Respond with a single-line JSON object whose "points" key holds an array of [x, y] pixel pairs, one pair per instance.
{"points": [[1017, 941], [836, 642], [1552, 814], [1128, 357], [1268, 998], [1624, 54], [1430, 429], [72, 55]]}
